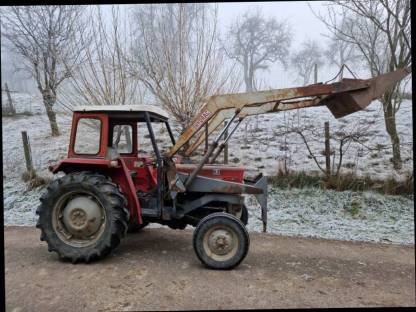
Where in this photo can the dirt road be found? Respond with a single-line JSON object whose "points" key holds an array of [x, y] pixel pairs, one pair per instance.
{"points": [[157, 270]]}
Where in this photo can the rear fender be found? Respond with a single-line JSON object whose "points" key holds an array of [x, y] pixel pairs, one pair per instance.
{"points": [[77, 164]]}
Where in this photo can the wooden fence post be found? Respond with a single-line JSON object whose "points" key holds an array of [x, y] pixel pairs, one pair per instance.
{"points": [[327, 150], [12, 110], [28, 155]]}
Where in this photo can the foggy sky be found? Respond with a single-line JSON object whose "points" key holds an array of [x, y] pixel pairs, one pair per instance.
{"points": [[303, 23]]}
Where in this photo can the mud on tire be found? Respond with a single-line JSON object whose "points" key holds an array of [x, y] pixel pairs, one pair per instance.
{"points": [[96, 189]]}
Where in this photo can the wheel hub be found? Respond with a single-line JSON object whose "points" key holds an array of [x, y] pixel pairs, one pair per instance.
{"points": [[220, 242], [82, 217]]}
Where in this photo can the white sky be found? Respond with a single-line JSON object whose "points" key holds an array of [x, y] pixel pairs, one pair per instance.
{"points": [[304, 26]]}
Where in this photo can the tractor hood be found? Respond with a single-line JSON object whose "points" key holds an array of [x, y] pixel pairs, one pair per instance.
{"points": [[223, 172]]}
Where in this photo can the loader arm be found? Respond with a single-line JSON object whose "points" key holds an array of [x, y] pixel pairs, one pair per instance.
{"points": [[266, 108], [342, 98]]}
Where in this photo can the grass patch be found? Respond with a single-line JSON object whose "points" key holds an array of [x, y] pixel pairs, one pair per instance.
{"points": [[295, 179], [235, 160], [17, 115], [353, 208], [343, 182], [33, 180]]}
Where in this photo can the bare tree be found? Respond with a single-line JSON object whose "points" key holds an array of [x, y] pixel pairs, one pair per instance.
{"points": [[176, 56], [103, 77], [255, 42], [44, 36], [345, 136], [341, 52], [380, 31], [305, 59]]}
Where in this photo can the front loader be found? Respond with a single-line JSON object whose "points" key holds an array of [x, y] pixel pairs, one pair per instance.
{"points": [[109, 186]]}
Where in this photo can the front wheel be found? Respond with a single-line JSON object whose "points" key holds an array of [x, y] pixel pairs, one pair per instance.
{"points": [[221, 241]]}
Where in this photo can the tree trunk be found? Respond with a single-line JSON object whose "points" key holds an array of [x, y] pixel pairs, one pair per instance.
{"points": [[390, 121], [128, 138], [49, 100]]}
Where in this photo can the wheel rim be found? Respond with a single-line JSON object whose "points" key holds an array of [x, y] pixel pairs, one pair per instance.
{"points": [[220, 243], [79, 219]]}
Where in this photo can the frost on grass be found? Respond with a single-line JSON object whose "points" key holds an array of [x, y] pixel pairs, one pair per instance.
{"points": [[359, 216]]}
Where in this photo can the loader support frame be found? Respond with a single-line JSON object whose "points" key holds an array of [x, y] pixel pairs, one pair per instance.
{"points": [[341, 98]]}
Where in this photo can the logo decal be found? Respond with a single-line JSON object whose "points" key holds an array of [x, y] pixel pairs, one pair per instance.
{"points": [[202, 118]]}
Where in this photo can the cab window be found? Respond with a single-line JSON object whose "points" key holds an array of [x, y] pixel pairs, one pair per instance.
{"points": [[122, 139], [145, 143], [88, 136]]}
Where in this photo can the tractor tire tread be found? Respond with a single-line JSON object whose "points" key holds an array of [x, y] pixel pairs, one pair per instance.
{"points": [[229, 264], [115, 206]]}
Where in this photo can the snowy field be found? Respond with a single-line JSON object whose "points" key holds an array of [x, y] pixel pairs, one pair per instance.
{"points": [[363, 216]]}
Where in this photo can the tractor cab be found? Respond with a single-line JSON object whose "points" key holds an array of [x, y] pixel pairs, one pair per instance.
{"points": [[111, 140], [113, 131], [106, 134]]}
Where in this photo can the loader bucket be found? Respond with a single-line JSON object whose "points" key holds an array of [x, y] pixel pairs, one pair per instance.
{"points": [[345, 103]]}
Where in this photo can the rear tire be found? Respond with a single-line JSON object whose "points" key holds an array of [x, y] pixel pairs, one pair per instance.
{"points": [[82, 216], [221, 241]]}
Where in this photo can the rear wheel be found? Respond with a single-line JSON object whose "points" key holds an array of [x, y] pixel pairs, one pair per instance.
{"points": [[82, 216], [221, 241]]}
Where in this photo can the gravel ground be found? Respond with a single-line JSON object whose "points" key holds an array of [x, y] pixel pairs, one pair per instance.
{"points": [[158, 270]]}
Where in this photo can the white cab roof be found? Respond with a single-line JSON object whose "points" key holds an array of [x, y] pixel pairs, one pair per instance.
{"points": [[122, 108]]}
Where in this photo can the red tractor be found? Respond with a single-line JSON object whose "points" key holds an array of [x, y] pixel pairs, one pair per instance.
{"points": [[109, 187]]}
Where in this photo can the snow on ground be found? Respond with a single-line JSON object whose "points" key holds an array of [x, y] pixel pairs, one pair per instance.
{"points": [[307, 212], [358, 216], [263, 149]]}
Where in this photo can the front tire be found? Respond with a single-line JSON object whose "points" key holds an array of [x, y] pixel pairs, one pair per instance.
{"points": [[82, 216], [221, 241]]}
